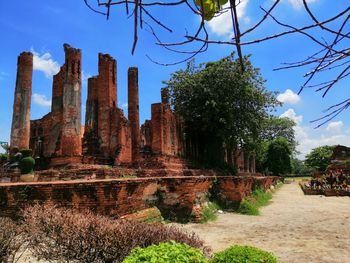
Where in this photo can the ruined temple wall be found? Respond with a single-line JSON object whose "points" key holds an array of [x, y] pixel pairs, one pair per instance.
{"points": [[165, 130], [20, 130], [60, 130], [90, 142], [47, 130], [123, 148]]}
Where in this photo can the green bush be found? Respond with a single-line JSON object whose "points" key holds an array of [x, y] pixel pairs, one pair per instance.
{"points": [[251, 205], [26, 165], [4, 157], [247, 207], [209, 212], [26, 152], [243, 254], [170, 252]]}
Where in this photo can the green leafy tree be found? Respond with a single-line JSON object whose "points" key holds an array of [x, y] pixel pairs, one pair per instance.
{"points": [[319, 158], [273, 128], [278, 157], [221, 107], [299, 168]]}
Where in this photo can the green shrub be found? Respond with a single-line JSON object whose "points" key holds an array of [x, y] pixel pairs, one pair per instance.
{"points": [[209, 212], [261, 197], [251, 204], [26, 165], [26, 152], [4, 157], [247, 207], [243, 254], [170, 252]]}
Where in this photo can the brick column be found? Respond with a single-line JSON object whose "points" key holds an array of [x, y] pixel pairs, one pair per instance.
{"points": [[20, 130], [71, 102], [133, 111]]}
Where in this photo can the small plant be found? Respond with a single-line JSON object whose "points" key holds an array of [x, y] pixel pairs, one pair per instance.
{"points": [[246, 207], [26, 165], [170, 252], [10, 240], [209, 212], [4, 157], [251, 204], [246, 254]]}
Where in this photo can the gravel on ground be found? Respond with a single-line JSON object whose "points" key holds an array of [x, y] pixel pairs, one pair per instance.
{"points": [[297, 228]]}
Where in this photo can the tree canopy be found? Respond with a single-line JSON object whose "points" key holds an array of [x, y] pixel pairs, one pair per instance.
{"points": [[319, 158], [278, 157], [273, 128], [220, 106]]}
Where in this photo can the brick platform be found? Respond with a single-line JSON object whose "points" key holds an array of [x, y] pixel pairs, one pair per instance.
{"points": [[176, 197]]}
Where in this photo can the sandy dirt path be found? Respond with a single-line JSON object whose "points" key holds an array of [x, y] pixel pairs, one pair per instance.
{"points": [[295, 227]]}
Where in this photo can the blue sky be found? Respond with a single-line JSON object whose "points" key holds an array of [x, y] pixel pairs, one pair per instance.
{"points": [[43, 26]]}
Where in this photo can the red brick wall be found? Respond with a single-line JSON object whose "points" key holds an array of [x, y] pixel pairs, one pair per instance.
{"points": [[176, 197], [60, 130]]}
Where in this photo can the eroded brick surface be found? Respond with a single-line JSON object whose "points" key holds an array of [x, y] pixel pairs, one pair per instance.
{"points": [[58, 134], [175, 197], [20, 130]]}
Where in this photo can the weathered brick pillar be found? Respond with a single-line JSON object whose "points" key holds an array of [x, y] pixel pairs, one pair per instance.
{"points": [[20, 130], [133, 111], [107, 99], [71, 119]]}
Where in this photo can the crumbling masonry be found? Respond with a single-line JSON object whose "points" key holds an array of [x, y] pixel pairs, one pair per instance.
{"points": [[108, 136]]}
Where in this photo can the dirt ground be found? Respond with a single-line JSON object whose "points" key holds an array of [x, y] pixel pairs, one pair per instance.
{"points": [[295, 227]]}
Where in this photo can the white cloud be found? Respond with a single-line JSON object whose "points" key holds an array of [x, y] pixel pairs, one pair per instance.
{"points": [[298, 4], [222, 24], [288, 97], [335, 126], [41, 100], [309, 138], [45, 63], [124, 105], [290, 113]]}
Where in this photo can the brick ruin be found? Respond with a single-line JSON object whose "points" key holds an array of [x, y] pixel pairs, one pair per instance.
{"points": [[108, 137]]}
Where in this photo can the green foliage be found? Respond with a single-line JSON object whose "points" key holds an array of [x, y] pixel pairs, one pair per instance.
{"points": [[170, 252], [319, 158], [251, 205], [278, 157], [300, 169], [4, 157], [209, 212], [208, 8], [220, 105], [261, 197], [243, 254], [273, 128], [247, 207], [26, 165], [277, 127]]}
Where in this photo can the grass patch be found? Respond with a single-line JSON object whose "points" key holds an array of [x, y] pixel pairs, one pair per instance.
{"points": [[251, 204], [209, 212]]}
